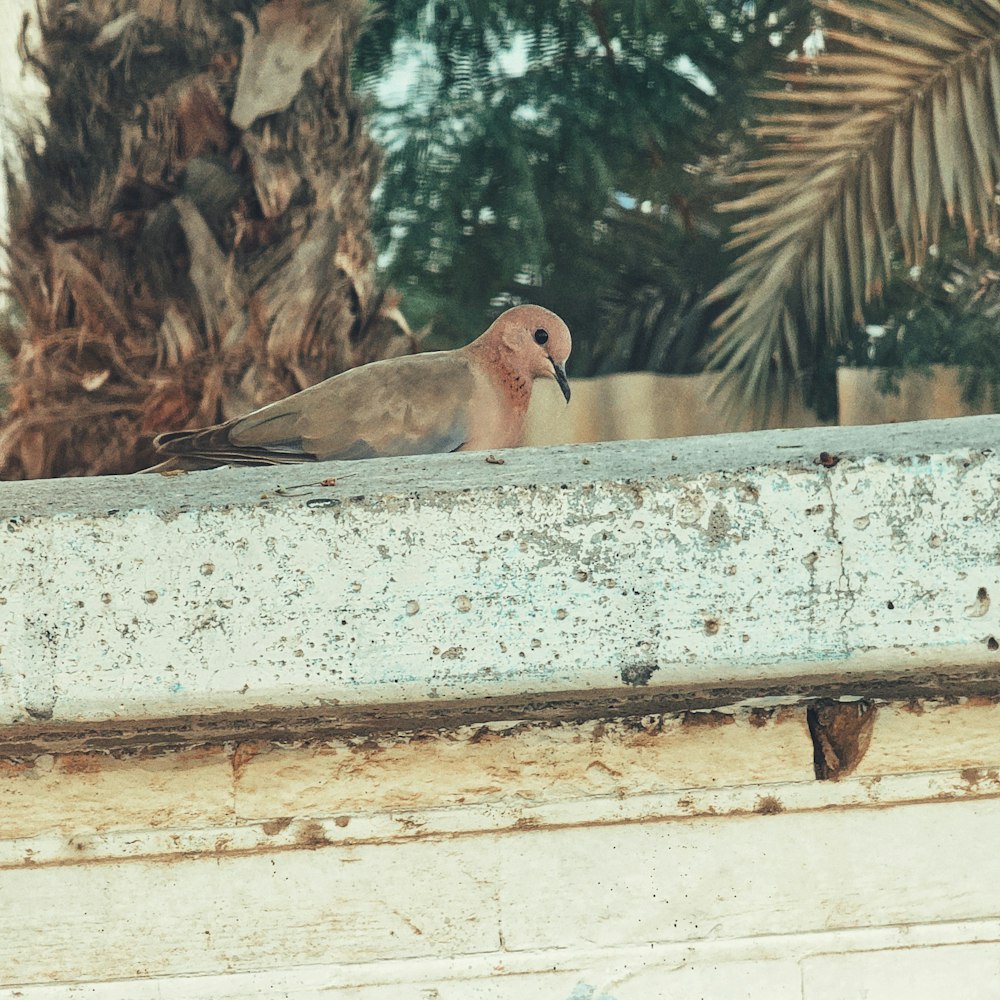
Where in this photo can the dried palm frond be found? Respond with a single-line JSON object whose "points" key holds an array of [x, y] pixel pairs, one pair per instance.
{"points": [[877, 144], [190, 239]]}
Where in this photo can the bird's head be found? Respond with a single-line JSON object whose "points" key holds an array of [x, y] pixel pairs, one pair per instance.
{"points": [[536, 341]]}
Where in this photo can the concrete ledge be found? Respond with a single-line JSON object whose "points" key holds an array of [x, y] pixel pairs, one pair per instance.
{"points": [[735, 566]]}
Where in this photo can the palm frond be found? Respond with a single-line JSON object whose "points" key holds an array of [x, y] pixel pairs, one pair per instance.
{"points": [[875, 146], [168, 267]]}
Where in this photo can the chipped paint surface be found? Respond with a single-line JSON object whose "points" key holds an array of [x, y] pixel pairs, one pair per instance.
{"points": [[79, 808], [505, 862], [619, 855], [657, 564]]}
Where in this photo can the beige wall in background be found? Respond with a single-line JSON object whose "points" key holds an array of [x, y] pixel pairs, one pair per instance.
{"points": [[921, 397], [643, 405], [640, 405]]}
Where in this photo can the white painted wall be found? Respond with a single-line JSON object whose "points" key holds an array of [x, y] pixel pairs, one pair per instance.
{"points": [[194, 803]]}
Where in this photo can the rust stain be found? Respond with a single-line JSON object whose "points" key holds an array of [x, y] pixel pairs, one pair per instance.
{"points": [[788, 713], [971, 776], [759, 717], [273, 826], [643, 731], [599, 765], [205, 751], [80, 763], [707, 719], [480, 790], [406, 920], [312, 834], [413, 738], [982, 701], [342, 821], [243, 753], [525, 824], [409, 824], [841, 734], [636, 699], [482, 735]]}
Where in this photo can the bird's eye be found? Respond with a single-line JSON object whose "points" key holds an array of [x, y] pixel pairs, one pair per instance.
{"points": [[541, 336]]}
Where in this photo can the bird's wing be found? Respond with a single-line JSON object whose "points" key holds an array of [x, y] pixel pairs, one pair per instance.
{"points": [[404, 406]]}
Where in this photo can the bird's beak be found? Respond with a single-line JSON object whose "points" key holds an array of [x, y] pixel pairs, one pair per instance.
{"points": [[560, 371]]}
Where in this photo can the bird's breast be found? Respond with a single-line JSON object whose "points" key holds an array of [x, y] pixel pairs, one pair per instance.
{"points": [[497, 412]]}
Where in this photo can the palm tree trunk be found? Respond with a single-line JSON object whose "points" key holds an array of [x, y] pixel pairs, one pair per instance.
{"points": [[190, 237]]}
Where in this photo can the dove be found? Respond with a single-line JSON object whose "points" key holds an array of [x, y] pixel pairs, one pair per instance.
{"points": [[471, 399]]}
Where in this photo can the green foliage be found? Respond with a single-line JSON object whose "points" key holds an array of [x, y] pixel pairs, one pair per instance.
{"points": [[874, 144], [946, 311], [523, 126], [654, 274]]}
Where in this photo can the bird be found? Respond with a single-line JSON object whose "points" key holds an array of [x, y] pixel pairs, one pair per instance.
{"points": [[471, 399]]}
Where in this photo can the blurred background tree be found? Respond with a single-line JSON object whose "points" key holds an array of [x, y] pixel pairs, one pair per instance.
{"points": [[945, 312], [182, 251], [568, 153], [877, 145], [575, 154]]}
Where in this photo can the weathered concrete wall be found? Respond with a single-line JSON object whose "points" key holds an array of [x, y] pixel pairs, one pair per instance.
{"points": [[624, 860], [447, 747], [727, 563]]}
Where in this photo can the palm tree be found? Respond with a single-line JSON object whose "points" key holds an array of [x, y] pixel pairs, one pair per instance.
{"points": [[524, 131], [190, 229], [876, 144]]}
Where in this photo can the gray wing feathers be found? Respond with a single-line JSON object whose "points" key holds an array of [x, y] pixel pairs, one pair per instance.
{"points": [[405, 406]]}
